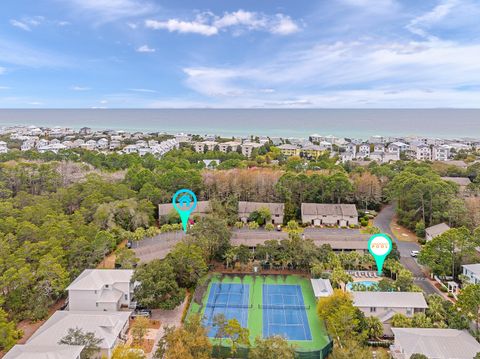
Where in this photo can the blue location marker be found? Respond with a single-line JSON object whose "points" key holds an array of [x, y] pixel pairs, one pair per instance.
{"points": [[380, 246], [184, 201]]}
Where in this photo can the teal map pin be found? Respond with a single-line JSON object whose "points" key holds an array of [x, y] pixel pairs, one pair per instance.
{"points": [[184, 201], [380, 246]]}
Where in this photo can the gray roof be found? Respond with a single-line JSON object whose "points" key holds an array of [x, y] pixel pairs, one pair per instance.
{"points": [[389, 299], [95, 279], [437, 229], [436, 343], [44, 352], [461, 181], [105, 325], [249, 207], [203, 207], [474, 268], [328, 209], [287, 146], [321, 287]]}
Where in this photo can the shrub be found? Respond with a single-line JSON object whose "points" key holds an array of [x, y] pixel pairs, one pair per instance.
{"points": [[269, 227], [253, 225], [239, 225]]}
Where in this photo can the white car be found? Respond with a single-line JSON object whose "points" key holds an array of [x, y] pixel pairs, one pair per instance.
{"points": [[414, 253]]}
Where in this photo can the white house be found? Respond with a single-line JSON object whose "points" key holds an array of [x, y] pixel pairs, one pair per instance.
{"points": [[384, 305], [472, 272], [111, 327], [248, 147], [3, 147], [228, 146], [441, 153], [433, 343], [363, 150], [101, 290], [26, 351], [321, 287], [436, 230], [423, 153]]}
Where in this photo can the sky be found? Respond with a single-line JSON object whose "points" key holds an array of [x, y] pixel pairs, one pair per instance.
{"points": [[239, 54]]}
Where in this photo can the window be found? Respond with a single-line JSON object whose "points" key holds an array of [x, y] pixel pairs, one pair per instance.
{"points": [[373, 309], [126, 296], [409, 311], [96, 304], [106, 285]]}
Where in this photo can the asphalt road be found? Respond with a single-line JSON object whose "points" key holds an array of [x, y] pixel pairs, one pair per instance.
{"points": [[382, 221]]}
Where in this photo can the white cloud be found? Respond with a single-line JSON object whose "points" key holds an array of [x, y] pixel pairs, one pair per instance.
{"points": [[209, 24], [174, 25], [80, 88], [438, 13], [2, 70], [111, 10], [143, 90], [132, 25], [13, 52], [145, 48], [373, 6], [20, 25]]}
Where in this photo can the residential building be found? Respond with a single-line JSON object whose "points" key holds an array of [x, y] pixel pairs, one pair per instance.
{"points": [[248, 147], [246, 208], [321, 287], [289, 150], [433, 343], [316, 138], [441, 153], [363, 150], [183, 138], [26, 351], [130, 149], [85, 131], [101, 290], [3, 147], [318, 214], [436, 230], [378, 147], [111, 327], [472, 272], [312, 151], [325, 145], [384, 305], [228, 146], [211, 164], [423, 153]]}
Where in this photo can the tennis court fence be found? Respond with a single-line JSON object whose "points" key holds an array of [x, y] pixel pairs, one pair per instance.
{"points": [[288, 307]]}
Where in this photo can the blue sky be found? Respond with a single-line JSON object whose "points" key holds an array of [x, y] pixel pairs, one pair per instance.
{"points": [[239, 54]]}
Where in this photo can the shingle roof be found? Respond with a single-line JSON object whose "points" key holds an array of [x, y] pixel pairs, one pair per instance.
{"points": [[436, 343], [437, 229], [94, 279], [461, 181], [105, 325], [249, 207], [44, 352], [389, 299], [320, 209]]}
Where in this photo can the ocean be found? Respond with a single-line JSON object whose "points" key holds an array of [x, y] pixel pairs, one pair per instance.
{"points": [[350, 123]]}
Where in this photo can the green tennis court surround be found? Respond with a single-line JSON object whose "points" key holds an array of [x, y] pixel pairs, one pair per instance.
{"points": [[289, 309]]}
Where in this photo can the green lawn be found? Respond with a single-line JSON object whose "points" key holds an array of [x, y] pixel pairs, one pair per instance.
{"points": [[320, 338]]}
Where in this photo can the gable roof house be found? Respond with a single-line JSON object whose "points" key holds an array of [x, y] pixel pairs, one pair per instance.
{"points": [[436, 230], [246, 208], [101, 290], [433, 343], [318, 214], [472, 272], [384, 305], [111, 327]]}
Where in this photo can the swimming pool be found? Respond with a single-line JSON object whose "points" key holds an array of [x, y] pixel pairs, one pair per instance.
{"points": [[366, 283]]}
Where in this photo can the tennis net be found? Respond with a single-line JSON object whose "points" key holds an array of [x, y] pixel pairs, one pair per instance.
{"points": [[286, 307]]}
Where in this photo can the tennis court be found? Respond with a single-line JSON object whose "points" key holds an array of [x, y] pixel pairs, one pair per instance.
{"points": [[284, 312], [229, 299]]}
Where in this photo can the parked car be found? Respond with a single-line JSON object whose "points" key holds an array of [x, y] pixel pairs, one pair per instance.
{"points": [[129, 244], [147, 313], [414, 253]]}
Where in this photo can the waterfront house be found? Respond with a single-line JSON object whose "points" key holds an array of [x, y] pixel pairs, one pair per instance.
{"points": [[248, 147], [101, 290], [245, 209], [436, 230], [317, 214], [228, 146], [433, 343], [423, 152], [441, 153], [384, 305]]}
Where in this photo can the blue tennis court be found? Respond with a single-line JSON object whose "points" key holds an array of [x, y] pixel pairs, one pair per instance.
{"points": [[284, 312], [229, 299]]}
